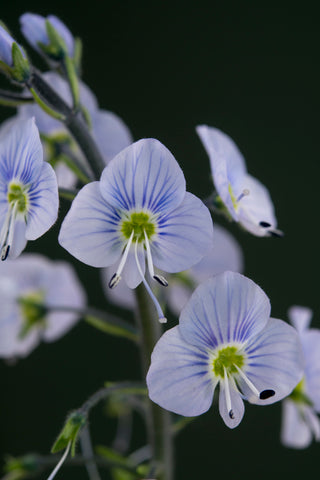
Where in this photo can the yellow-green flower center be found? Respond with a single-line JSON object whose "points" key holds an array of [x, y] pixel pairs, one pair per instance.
{"points": [[17, 194], [228, 358], [32, 311], [138, 222]]}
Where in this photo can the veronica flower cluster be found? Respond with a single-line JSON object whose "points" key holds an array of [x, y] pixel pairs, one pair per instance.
{"points": [[136, 220]]}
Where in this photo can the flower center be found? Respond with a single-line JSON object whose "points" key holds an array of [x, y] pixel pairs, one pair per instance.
{"points": [[33, 312], [138, 223], [228, 358], [235, 200], [17, 195]]}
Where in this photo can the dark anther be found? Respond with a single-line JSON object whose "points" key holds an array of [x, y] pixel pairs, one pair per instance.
{"points": [[231, 414], [266, 394], [265, 224], [5, 252], [115, 279], [161, 280]]}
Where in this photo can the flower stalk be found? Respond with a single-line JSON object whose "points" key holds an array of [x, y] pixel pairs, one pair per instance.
{"points": [[158, 420]]}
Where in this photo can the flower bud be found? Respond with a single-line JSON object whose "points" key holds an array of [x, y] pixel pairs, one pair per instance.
{"points": [[13, 60], [48, 36], [70, 432]]}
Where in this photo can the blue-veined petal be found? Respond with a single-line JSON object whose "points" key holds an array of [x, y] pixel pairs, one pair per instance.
{"points": [[19, 238], [21, 153], [179, 379], [274, 361], [110, 132], [145, 175], [64, 32], [131, 273], [226, 308], [44, 203], [236, 404], [90, 229], [6, 42], [184, 236]]}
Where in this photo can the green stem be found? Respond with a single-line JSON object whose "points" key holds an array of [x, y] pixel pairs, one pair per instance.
{"points": [[71, 118], [159, 420]]}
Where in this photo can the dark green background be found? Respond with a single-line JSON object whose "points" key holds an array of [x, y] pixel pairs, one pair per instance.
{"points": [[165, 67]]}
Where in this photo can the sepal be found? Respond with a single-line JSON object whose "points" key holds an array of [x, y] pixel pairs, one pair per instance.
{"points": [[70, 432]]}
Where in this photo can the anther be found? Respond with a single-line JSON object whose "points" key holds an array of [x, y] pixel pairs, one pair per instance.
{"points": [[5, 252], [115, 279], [161, 280], [231, 414], [266, 394], [244, 193], [265, 224]]}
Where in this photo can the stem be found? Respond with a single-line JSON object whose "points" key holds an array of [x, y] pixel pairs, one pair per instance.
{"points": [[72, 119], [158, 421], [87, 450]]}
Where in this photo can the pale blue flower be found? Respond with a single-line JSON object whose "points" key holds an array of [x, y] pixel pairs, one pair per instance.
{"points": [[245, 199], [226, 337], [300, 423], [108, 129], [32, 278], [28, 189], [139, 209], [33, 27]]}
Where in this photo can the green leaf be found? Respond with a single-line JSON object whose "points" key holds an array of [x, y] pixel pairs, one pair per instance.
{"points": [[113, 326]]}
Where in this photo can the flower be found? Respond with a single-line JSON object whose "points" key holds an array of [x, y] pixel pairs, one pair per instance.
{"points": [[28, 189], [225, 254], [37, 31], [30, 287], [108, 130], [243, 197], [139, 208], [225, 337], [300, 422]]}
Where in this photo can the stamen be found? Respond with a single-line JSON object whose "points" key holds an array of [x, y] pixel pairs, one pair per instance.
{"points": [[244, 193], [248, 382], [157, 277], [116, 277], [162, 318], [161, 280], [60, 463], [227, 392], [7, 231], [262, 395]]}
